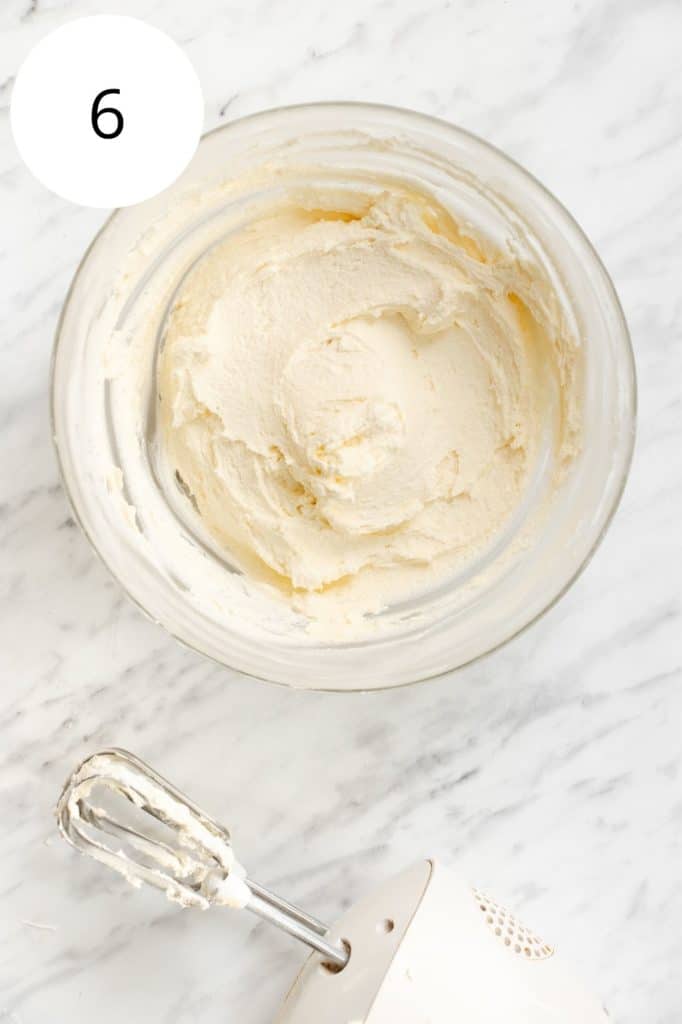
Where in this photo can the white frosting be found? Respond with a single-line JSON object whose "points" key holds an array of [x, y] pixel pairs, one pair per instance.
{"points": [[199, 871], [354, 397]]}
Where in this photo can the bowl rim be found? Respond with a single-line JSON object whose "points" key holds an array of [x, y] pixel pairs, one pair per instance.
{"points": [[630, 376]]}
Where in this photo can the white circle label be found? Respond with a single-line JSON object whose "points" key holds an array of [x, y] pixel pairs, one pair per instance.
{"points": [[107, 111]]}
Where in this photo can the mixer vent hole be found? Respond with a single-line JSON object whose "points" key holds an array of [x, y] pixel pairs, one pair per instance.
{"points": [[386, 926], [510, 930]]}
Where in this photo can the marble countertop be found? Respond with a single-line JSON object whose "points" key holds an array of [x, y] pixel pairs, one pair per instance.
{"points": [[548, 773]]}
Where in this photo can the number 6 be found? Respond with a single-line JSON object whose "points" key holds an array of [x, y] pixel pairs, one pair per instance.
{"points": [[96, 113]]}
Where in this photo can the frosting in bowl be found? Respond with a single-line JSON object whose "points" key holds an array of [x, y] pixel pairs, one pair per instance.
{"points": [[355, 392]]}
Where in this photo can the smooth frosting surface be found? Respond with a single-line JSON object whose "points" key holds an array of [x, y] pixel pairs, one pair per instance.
{"points": [[354, 396]]}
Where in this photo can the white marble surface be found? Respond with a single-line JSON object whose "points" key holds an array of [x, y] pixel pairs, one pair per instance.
{"points": [[549, 773]]}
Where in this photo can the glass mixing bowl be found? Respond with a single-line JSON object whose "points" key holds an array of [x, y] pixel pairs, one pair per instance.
{"points": [[186, 586]]}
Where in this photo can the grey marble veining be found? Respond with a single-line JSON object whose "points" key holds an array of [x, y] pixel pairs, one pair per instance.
{"points": [[550, 772]]}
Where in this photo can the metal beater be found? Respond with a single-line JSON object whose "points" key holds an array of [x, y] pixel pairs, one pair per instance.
{"points": [[190, 856]]}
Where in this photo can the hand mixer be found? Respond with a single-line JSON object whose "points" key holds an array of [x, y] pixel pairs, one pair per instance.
{"points": [[423, 948]]}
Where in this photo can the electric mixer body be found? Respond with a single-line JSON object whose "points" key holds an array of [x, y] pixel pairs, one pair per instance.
{"points": [[427, 949]]}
